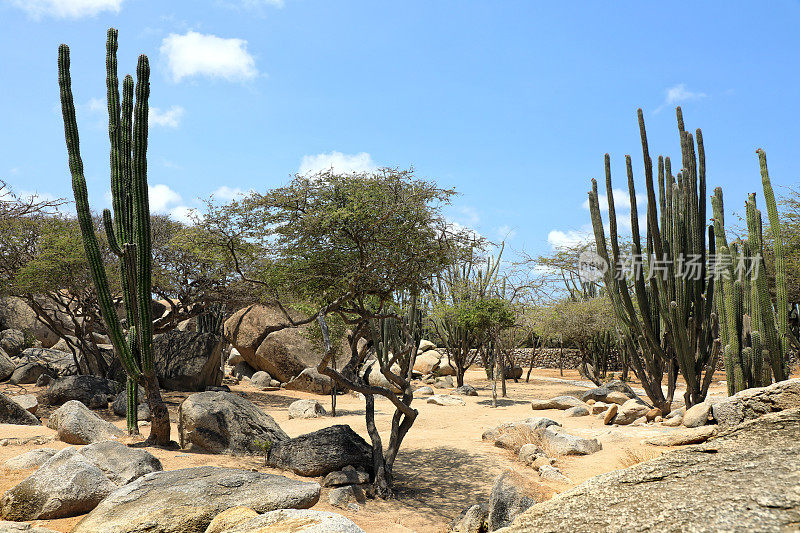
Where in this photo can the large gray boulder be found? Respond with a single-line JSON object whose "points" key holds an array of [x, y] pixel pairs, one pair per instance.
{"points": [[29, 402], [306, 409], [12, 341], [322, 452], [223, 422], [29, 372], [76, 424], [297, 521], [513, 493], [559, 402], [599, 394], [310, 380], [13, 413], [7, 366], [120, 405], [56, 362], [29, 460], [697, 415], [92, 391], [282, 353], [119, 463], [68, 484], [630, 411], [18, 315], [753, 403], [560, 442], [186, 500], [745, 479], [188, 361]]}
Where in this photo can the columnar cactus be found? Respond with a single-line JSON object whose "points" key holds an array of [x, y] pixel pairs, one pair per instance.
{"points": [[128, 231], [669, 318], [754, 333]]}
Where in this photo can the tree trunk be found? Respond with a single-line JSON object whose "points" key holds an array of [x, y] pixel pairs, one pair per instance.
{"points": [[159, 421], [383, 478]]}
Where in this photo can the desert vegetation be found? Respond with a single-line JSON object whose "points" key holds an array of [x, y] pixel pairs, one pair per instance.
{"points": [[335, 353]]}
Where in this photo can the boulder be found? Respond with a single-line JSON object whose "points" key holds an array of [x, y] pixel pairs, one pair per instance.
{"points": [[346, 476], [120, 405], [234, 358], [223, 422], [262, 379], [92, 391], [29, 402], [44, 381], [228, 518], [697, 415], [653, 414], [56, 362], [22, 527], [599, 407], [466, 390], [310, 380], [119, 463], [322, 452], [425, 345], [347, 495], [7, 366], [282, 353], [299, 521], [611, 414], [76, 424], [428, 362], [30, 372], [563, 443], [424, 391], [188, 361], [630, 411], [12, 341], [529, 425], [551, 473], [682, 438], [673, 421], [529, 452], [16, 314], [753, 403], [446, 400], [600, 394], [559, 402], [691, 487], [13, 413], [445, 382], [514, 372], [473, 520], [578, 410], [243, 370], [30, 460], [186, 500], [445, 368], [67, 484], [616, 397], [306, 409], [375, 376], [512, 494]]}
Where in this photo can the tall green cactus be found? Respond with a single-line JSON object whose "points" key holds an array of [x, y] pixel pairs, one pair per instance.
{"points": [[752, 328], [128, 231], [670, 314]]}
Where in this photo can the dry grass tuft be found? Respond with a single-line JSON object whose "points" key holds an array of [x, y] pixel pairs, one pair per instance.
{"points": [[515, 437], [631, 456]]}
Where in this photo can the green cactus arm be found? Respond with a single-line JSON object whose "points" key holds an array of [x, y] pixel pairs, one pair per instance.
{"points": [[108, 224], [91, 247], [114, 134]]}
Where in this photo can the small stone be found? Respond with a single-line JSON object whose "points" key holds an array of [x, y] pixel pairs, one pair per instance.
{"points": [[552, 473], [578, 410], [446, 400], [599, 407], [343, 496], [306, 409], [229, 518], [697, 415], [611, 413], [652, 414], [590, 402], [424, 391], [616, 397], [466, 390]]}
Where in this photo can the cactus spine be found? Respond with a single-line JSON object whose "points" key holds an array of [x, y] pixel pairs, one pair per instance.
{"points": [[754, 333], [672, 320], [128, 231]]}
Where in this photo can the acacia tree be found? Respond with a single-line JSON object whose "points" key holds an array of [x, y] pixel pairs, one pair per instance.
{"points": [[360, 246]]}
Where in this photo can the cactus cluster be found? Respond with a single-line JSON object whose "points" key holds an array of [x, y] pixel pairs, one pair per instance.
{"points": [[211, 320], [754, 333], [668, 320], [128, 230]]}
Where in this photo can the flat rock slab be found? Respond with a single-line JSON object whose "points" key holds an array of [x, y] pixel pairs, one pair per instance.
{"points": [[186, 500], [682, 438], [445, 400], [22, 527], [691, 488], [297, 521], [559, 402]]}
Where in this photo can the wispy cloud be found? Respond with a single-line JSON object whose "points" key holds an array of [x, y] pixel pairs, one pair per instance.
{"points": [[569, 239], [339, 162], [506, 232], [227, 194], [162, 198], [169, 118], [622, 200], [196, 54], [73, 9], [679, 94]]}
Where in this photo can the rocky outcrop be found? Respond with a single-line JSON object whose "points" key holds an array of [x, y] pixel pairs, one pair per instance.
{"points": [[68, 484], [513, 493], [223, 422], [188, 361], [92, 391], [119, 463], [22, 527], [186, 500], [753, 403], [697, 488], [282, 353], [16, 314], [322, 452], [13, 413], [76, 424], [297, 520]]}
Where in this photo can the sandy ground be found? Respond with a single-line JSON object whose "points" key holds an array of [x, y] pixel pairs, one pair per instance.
{"points": [[443, 467]]}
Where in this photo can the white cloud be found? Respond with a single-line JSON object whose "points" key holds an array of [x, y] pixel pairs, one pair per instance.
{"points": [[339, 162], [677, 94], [250, 4], [96, 105], [170, 118], [622, 200], [468, 215], [197, 54], [182, 213], [227, 194], [569, 239], [162, 197], [67, 8], [506, 232]]}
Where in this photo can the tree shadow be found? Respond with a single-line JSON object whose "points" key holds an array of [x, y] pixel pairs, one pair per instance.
{"points": [[503, 402]]}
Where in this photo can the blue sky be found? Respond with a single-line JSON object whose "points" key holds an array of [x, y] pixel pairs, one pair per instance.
{"points": [[512, 103]]}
